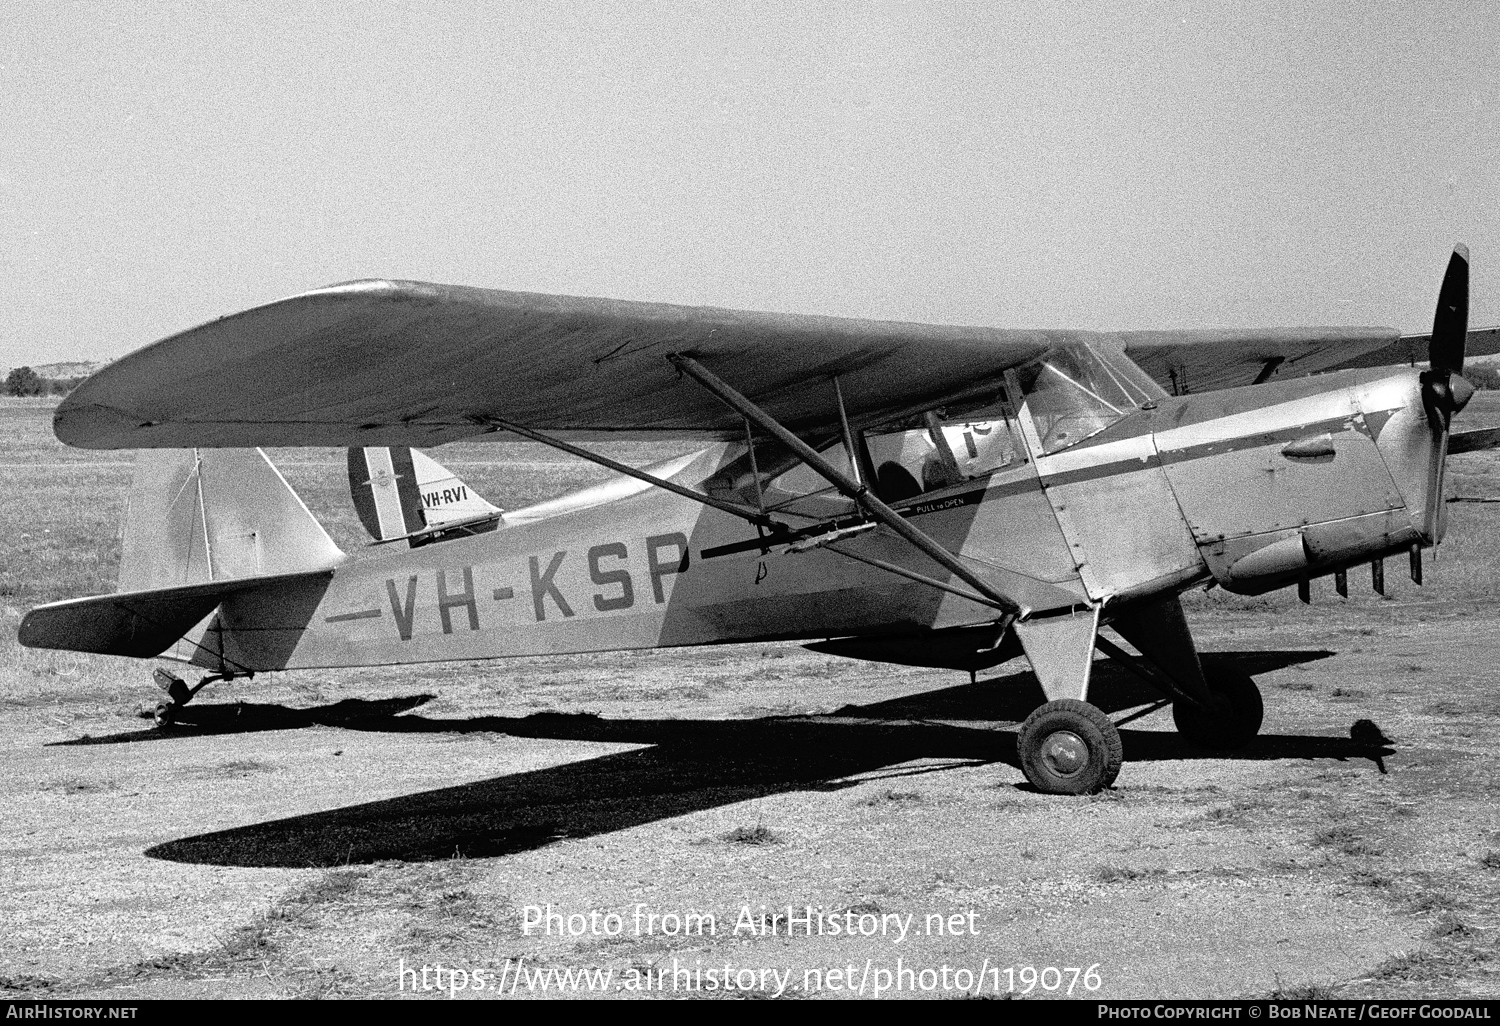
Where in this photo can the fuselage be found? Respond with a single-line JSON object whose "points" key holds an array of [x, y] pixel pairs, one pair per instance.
{"points": [[1253, 487]]}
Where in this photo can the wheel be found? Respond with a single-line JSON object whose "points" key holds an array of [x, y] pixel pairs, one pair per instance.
{"points": [[166, 714], [1233, 720], [1069, 747]]}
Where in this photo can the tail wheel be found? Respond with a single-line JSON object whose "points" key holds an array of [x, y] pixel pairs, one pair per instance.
{"points": [[1069, 747], [1233, 717], [165, 714]]}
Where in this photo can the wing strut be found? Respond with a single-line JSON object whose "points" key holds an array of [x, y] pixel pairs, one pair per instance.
{"points": [[756, 517], [853, 489], [910, 575]]}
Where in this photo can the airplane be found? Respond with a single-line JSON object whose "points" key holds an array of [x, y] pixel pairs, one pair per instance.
{"points": [[926, 495]]}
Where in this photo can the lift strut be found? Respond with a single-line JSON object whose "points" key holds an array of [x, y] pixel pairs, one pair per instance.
{"points": [[850, 487], [754, 516]]}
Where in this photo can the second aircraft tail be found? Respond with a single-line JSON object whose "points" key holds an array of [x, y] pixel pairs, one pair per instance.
{"points": [[401, 494]]}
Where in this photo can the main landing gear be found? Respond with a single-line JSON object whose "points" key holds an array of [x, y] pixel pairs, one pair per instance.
{"points": [[1231, 717], [179, 693], [1069, 747]]}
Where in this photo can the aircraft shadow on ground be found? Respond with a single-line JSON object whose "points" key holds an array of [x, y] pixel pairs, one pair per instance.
{"points": [[1006, 697], [690, 766]]}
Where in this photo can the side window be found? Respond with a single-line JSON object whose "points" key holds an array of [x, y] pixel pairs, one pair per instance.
{"points": [[785, 483], [802, 480], [983, 446], [902, 460], [942, 453]]}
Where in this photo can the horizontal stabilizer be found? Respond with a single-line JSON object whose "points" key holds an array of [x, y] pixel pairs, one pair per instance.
{"points": [[141, 624]]}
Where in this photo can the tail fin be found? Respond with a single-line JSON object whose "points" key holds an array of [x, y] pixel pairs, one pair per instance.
{"points": [[203, 524], [446, 500], [400, 493], [202, 515]]}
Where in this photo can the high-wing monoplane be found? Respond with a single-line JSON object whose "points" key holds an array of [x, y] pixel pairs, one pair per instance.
{"points": [[926, 495]]}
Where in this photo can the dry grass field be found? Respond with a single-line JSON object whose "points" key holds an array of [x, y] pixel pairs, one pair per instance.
{"points": [[316, 833]]}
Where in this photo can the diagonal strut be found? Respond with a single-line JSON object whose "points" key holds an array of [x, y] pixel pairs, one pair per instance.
{"points": [[855, 490], [754, 516]]}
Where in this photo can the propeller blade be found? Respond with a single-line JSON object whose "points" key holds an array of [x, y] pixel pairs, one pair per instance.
{"points": [[1444, 390], [1451, 322]]}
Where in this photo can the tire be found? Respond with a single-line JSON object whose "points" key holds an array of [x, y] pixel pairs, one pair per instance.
{"points": [[165, 715], [1069, 747], [1235, 718]]}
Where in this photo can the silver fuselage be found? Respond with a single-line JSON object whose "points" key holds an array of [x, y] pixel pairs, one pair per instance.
{"points": [[1254, 488]]}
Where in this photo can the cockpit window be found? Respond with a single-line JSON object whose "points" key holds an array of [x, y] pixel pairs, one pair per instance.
{"points": [[1079, 389], [1074, 391], [918, 455], [942, 452]]}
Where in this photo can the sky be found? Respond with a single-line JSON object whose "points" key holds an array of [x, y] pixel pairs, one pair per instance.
{"points": [[1027, 164]]}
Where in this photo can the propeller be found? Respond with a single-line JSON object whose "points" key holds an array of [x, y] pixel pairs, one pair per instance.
{"points": [[1444, 390]]}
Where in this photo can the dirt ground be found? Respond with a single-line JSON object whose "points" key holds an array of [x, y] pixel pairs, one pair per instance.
{"points": [[336, 833]]}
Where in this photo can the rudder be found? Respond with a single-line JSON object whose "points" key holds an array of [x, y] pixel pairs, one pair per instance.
{"points": [[203, 515]]}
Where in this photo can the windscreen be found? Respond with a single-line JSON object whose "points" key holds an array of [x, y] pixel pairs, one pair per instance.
{"points": [[1079, 389]]}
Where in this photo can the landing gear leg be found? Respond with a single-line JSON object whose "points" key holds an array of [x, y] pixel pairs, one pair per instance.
{"points": [[1067, 746], [1214, 706], [178, 692]]}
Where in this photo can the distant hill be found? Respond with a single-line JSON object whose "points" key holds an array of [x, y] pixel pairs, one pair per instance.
{"points": [[55, 379], [67, 369], [64, 370]]}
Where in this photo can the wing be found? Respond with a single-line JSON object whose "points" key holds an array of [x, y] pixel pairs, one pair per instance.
{"points": [[382, 363], [1412, 350], [1201, 361], [404, 363]]}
